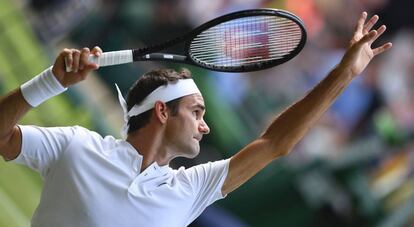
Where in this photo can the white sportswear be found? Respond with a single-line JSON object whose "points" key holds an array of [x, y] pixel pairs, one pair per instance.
{"points": [[91, 181]]}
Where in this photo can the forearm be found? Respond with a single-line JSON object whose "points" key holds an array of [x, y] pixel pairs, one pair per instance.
{"points": [[30, 94], [293, 123]]}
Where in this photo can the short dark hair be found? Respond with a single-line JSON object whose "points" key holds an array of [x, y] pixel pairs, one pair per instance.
{"points": [[146, 84]]}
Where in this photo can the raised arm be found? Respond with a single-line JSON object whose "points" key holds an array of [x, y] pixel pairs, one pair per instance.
{"points": [[292, 124], [15, 104]]}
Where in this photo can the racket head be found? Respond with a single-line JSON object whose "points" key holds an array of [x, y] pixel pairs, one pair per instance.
{"points": [[247, 40]]}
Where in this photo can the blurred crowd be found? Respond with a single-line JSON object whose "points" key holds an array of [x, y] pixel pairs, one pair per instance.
{"points": [[353, 168]]}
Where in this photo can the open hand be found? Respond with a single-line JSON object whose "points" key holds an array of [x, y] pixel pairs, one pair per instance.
{"points": [[360, 52], [77, 60]]}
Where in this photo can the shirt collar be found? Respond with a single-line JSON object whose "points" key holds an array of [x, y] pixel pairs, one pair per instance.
{"points": [[137, 159]]}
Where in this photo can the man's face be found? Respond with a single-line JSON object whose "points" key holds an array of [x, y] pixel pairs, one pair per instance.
{"points": [[186, 129]]}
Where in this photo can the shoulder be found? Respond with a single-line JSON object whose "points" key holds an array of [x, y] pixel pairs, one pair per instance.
{"points": [[84, 133], [86, 137], [203, 172], [73, 136]]}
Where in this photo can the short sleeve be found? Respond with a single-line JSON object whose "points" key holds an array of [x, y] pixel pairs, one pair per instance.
{"points": [[206, 181], [41, 147]]}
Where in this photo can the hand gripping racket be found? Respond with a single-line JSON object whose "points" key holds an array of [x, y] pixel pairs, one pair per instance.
{"points": [[243, 41]]}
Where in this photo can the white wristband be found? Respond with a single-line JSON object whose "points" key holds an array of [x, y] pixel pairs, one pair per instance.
{"points": [[41, 88]]}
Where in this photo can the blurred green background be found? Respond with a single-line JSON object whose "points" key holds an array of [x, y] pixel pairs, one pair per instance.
{"points": [[353, 169]]}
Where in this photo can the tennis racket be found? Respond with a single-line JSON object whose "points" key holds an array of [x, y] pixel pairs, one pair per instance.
{"points": [[242, 41]]}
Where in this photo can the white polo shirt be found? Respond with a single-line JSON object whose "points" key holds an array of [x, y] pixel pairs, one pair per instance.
{"points": [[93, 181]]}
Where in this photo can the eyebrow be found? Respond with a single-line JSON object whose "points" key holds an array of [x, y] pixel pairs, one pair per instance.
{"points": [[202, 107]]}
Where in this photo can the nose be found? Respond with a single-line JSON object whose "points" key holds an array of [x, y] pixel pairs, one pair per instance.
{"points": [[203, 127]]}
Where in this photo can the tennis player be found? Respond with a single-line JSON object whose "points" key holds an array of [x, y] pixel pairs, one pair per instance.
{"points": [[90, 180]]}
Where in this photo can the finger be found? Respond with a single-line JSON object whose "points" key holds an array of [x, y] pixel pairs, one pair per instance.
{"points": [[368, 37], [370, 24], [76, 56], [68, 59], [91, 67], [361, 22], [382, 48], [88, 68], [380, 31], [84, 58], [97, 51]]}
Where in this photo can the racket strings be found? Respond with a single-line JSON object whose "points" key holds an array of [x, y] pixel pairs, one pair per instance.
{"points": [[245, 41]]}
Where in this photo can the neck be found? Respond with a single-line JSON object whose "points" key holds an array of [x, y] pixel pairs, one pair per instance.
{"points": [[149, 143]]}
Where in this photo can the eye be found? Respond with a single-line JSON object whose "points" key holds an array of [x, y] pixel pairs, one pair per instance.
{"points": [[197, 113]]}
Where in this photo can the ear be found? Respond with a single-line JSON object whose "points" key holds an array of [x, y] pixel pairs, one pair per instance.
{"points": [[161, 112]]}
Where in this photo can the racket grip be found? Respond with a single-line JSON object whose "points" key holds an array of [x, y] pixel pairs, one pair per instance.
{"points": [[109, 58]]}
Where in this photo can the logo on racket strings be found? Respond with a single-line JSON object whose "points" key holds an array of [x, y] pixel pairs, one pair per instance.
{"points": [[247, 42]]}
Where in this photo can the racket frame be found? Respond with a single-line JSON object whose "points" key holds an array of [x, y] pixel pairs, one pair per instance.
{"points": [[242, 14]]}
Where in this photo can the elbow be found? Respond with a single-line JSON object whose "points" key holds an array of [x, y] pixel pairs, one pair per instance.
{"points": [[3, 143], [7, 146], [278, 147], [286, 152], [281, 152], [3, 148], [6, 153]]}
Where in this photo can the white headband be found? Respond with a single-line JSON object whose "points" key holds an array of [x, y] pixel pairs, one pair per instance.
{"points": [[164, 93]]}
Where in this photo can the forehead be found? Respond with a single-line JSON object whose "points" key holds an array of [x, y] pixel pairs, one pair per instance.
{"points": [[193, 99]]}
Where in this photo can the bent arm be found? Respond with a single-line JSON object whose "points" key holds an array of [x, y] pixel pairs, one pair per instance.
{"points": [[15, 105], [292, 124], [286, 130]]}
